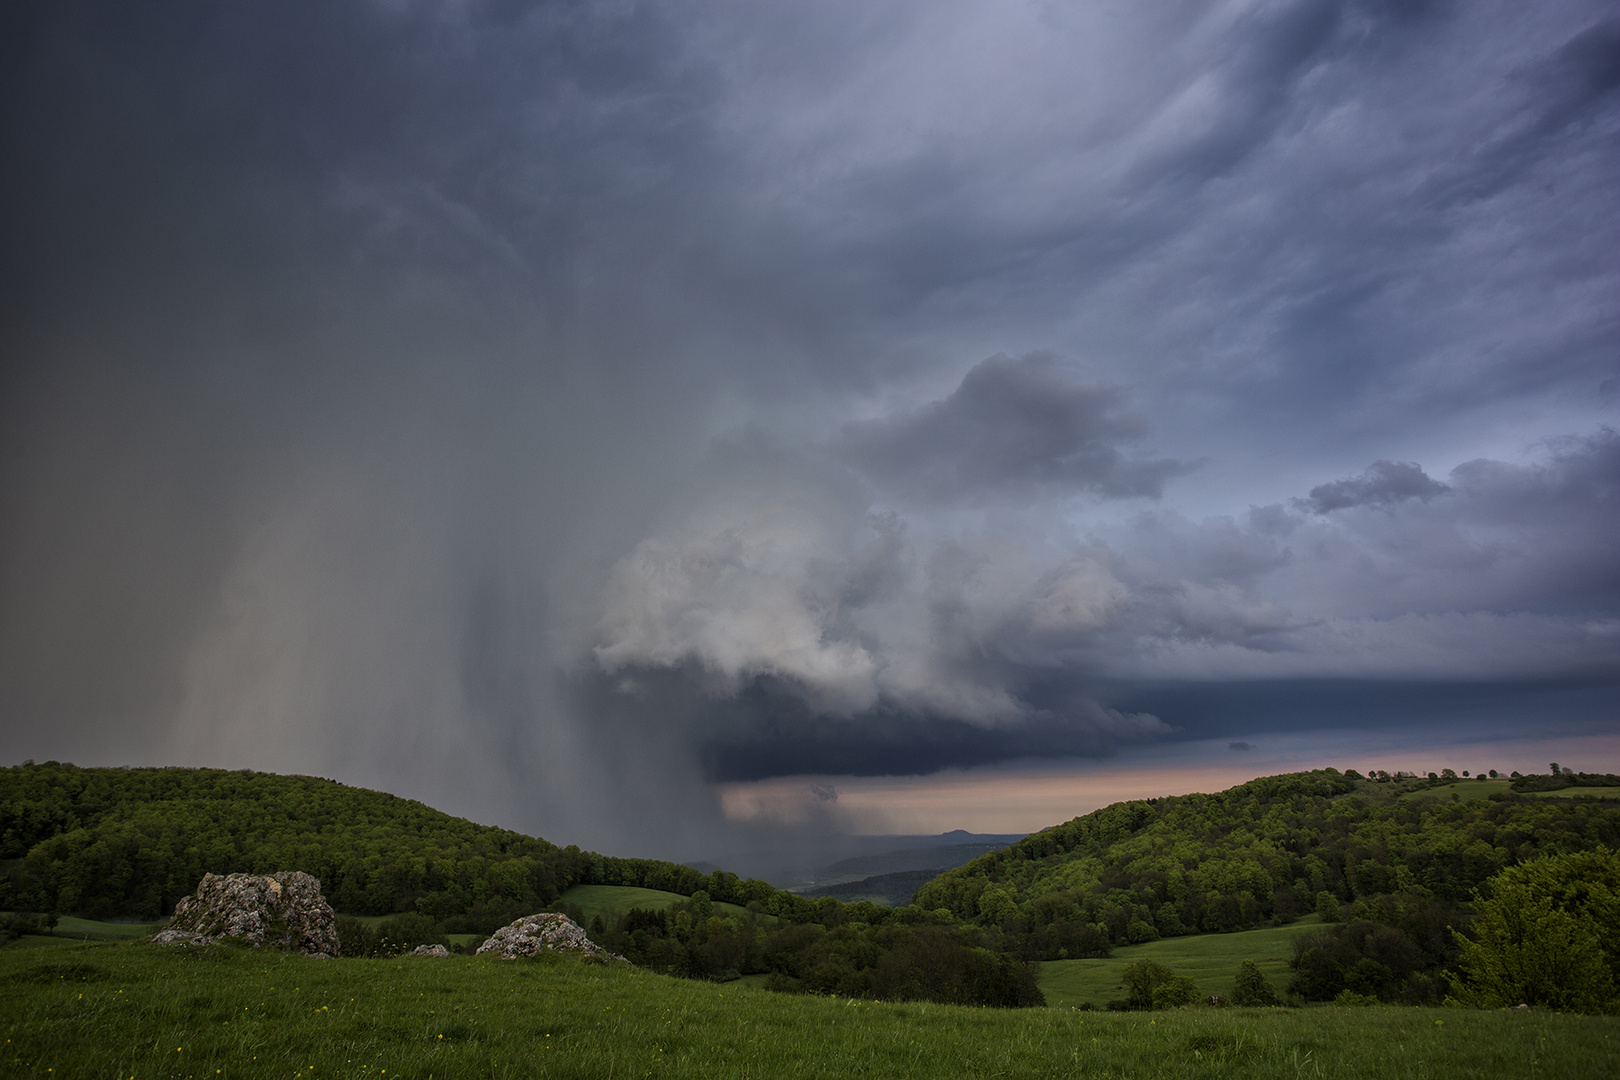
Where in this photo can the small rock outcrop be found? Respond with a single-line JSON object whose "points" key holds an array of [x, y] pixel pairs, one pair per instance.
{"points": [[430, 950], [284, 910], [548, 931]]}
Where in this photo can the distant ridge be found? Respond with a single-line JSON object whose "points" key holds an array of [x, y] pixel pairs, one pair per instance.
{"points": [[843, 859], [895, 890]]}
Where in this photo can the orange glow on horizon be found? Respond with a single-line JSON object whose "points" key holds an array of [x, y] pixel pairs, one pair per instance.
{"points": [[1025, 799]]}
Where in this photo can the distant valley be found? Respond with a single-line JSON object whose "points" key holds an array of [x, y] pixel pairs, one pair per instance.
{"points": [[842, 861]]}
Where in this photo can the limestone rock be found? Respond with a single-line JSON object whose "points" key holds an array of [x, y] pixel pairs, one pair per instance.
{"points": [[430, 950], [548, 931], [180, 937], [284, 910]]}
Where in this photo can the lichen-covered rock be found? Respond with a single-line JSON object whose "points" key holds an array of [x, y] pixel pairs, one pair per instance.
{"points": [[180, 937], [284, 910], [548, 931], [430, 950]]}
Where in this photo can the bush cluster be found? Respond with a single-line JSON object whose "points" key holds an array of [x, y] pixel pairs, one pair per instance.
{"points": [[904, 954], [22, 923]]}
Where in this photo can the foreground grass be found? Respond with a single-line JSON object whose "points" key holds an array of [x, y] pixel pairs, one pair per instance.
{"points": [[1210, 960], [115, 1010]]}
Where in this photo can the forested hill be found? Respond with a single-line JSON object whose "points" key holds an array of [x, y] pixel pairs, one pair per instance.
{"points": [[131, 842], [1266, 851]]}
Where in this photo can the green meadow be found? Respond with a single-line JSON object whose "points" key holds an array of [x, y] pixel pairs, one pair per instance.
{"points": [[109, 1010], [1210, 960], [1466, 789], [1481, 789], [91, 930], [595, 900], [1577, 793]]}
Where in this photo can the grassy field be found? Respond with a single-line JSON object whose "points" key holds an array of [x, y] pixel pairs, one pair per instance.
{"points": [[595, 899], [1479, 789], [1210, 960], [90, 930], [136, 1010], [1468, 789], [1578, 792]]}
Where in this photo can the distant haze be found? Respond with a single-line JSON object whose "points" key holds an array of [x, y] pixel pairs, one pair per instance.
{"points": [[685, 428]]}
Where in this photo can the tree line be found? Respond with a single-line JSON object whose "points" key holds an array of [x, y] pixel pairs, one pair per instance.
{"points": [[852, 950]]}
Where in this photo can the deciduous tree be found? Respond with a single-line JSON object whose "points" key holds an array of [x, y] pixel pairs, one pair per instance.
{"points": [[1547, 932]]}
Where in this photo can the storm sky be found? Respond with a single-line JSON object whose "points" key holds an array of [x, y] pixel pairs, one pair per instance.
{"points": [[638, 423]]}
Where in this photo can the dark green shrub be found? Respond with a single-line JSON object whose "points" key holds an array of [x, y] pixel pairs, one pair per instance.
{"points": [[1151, 985], [394, 935], [355, 938], [1140, 930], [1252, 987], [1178, 991], [20, 924]]}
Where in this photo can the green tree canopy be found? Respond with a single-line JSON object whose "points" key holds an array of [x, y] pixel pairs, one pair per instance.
{"points": [[1547, 932]]}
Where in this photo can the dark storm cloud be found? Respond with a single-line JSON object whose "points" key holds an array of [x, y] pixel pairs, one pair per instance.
{"points": [[1558, 99], [286, 459], [899, 746], [384, 383], [995, 648], [1269, 47], [767, 728], [1384, 483], [1015, 425]]}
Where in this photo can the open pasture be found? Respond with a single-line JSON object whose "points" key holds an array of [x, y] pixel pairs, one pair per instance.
{"points": [[1474, 788], [1210, 960], [93, 930], [120, 1010], [593, 900], [1467, 789], [1578, 793]]}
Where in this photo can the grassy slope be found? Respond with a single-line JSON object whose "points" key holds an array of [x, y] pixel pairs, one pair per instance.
{"points": [[1577, 793], [136, 1010], [1210, 960], [90, 929], [1479, 789], [596, 899], [1468, 789]]}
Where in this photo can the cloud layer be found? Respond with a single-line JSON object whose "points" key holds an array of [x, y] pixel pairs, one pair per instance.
{"points": [[552, 410]]}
